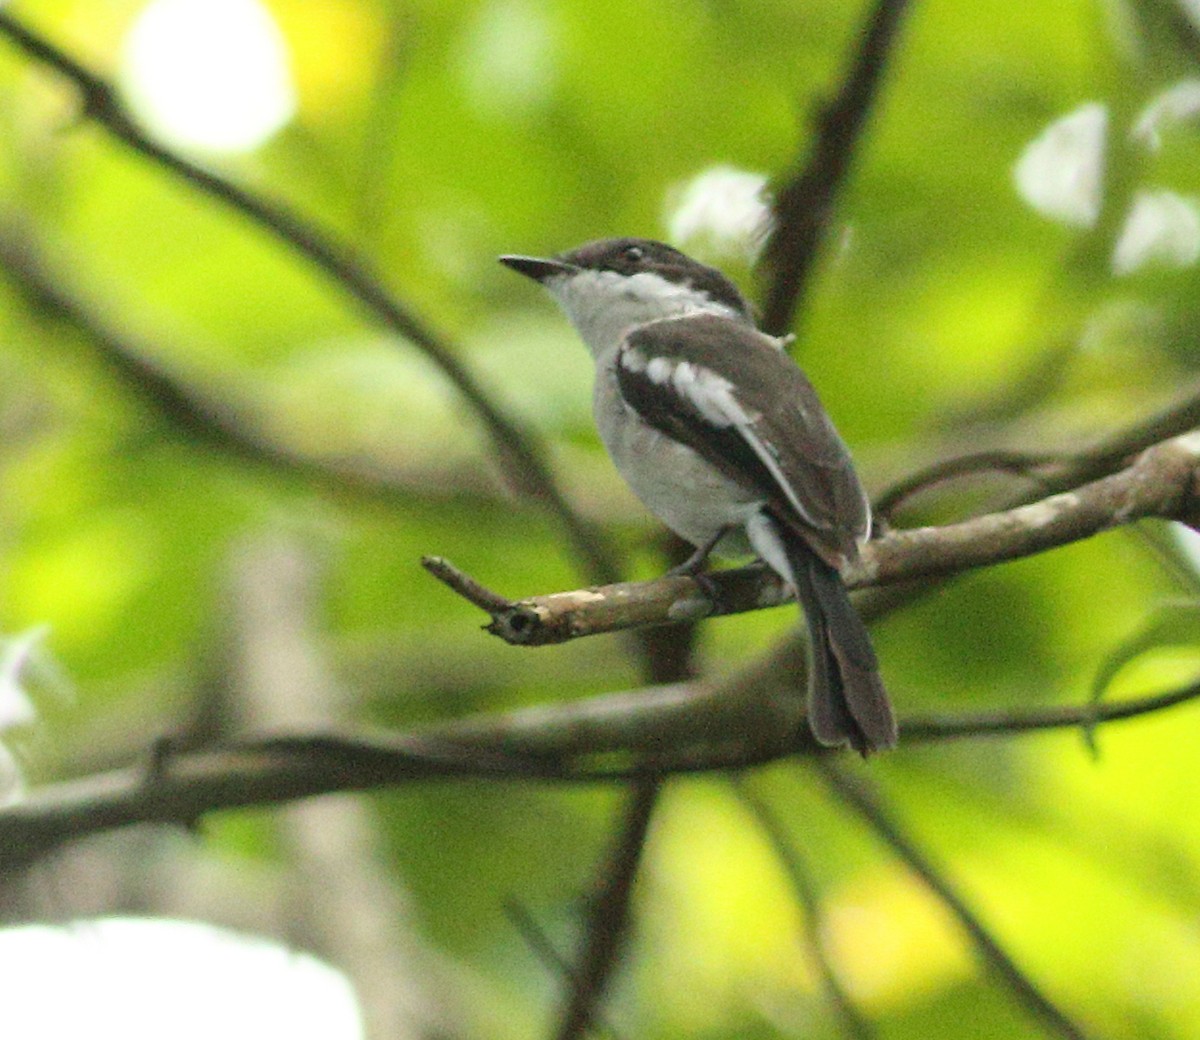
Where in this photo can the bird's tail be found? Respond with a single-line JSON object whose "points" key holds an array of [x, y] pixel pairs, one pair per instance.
{"points": [[847, 702]]}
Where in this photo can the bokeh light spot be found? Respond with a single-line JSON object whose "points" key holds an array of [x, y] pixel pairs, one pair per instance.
{"points": [[209, 75]]}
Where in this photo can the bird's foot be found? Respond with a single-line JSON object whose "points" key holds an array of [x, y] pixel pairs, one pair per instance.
{"points": [[694, 564]]}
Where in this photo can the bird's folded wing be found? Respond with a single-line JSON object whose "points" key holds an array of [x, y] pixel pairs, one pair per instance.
{"points": [[731, 395]]}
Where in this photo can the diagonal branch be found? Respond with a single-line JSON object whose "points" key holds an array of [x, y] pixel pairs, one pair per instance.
{"points": [[201, 418], [521, 458], [546, 952], [804, 205], [856, 793], [1161, 483], [1030, 465]]}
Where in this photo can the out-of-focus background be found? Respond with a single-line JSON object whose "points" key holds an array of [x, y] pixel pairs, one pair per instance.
{"points": [[1012, 264]]}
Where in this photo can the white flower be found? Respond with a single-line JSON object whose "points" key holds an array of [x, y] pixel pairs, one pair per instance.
{"points": [[209, 74], [722, 211], [16, 708], [1060, 172], [1162, 227], [1176, 104]]}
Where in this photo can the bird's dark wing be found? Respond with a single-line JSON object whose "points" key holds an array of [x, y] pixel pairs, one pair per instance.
{"points": [[731, 395]]}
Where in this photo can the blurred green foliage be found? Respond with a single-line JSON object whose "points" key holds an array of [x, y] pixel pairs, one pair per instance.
{"points": [[947, 316]]}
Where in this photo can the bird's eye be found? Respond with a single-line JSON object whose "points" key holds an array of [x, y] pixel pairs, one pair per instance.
{"points": [[634, 254]]}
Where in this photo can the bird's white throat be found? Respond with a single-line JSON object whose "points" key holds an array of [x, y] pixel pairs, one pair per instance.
{"points": [[604, 305]]}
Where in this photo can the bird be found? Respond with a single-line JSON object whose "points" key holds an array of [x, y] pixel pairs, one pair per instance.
{"points": [[722, 436]]}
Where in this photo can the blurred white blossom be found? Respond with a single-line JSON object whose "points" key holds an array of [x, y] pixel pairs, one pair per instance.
{"points": [[722, 211], [12, 778], [1060, 172], [1162, 227], [127, 977], [1178, 103], [16, 707], [209, 74]]}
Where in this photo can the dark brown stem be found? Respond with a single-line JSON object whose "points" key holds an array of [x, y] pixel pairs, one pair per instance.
{"points": [[1025, 464], [537, 941], [1054, 471], [804, 205]]}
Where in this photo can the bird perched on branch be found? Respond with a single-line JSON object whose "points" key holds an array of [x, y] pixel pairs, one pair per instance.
{"points": [[722, 437]]}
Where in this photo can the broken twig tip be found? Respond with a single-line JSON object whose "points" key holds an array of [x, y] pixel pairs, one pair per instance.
{"points": [[466, 586]]}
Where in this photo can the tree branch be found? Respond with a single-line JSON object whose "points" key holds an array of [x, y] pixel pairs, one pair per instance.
{"points": [[859, 795], [521, 458], [544, 950], [662, 731], [1054, 471], [1019, 463], [804, 205], [1159, 483], [195, 415]]}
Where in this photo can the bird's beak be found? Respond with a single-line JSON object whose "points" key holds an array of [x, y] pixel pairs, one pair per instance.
{"points": [[537, 269]]}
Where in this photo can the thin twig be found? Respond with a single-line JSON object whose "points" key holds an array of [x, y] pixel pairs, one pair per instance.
{"points": [[521, 458], [607, 918], [1053, 471], [853, 1022], [536, 939], [1176, 418], [855, 792], [1025, 464], [804, 206], [466, 586]]}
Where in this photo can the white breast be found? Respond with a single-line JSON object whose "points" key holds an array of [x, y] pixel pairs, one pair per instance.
{"points": [[685, 492]]}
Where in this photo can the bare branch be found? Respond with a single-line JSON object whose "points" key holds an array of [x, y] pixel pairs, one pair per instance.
{"points": [[1160, 483], [1110, 452], [521, 458], [544, 950], [662, 731], [466, 586], [804, 205], [855, 792]]}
